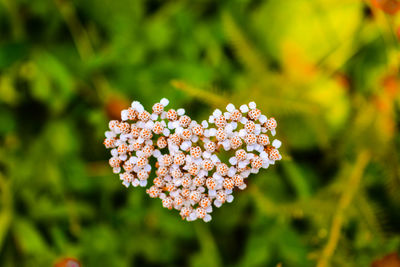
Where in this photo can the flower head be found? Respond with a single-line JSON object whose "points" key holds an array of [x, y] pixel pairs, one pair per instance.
{"points": [[191, 177]]}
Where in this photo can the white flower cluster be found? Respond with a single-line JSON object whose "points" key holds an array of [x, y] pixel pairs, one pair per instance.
{"points": [[190, 177]]}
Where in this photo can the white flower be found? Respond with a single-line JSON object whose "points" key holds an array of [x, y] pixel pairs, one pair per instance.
{"points": [[189, 157]]}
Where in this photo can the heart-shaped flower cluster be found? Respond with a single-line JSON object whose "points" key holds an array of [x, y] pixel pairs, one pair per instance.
{"points": [[190, 176]]}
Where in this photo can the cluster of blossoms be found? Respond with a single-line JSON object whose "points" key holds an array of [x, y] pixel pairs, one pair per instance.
{"points": [[190, 177]]}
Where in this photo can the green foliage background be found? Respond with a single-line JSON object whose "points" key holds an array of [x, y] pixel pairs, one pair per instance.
{"points": [[326, 69]]}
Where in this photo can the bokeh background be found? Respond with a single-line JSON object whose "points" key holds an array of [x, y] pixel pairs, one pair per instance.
{"points": [[327, 70]]}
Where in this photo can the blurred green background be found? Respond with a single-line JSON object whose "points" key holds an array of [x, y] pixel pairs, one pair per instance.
{"points": [[327, 70]]}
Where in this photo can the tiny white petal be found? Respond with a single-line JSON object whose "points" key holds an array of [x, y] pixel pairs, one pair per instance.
{"points": [[273, 132], [243, 186], [252, 105], [206, 154], [207, 218], [193, 216], [177, 182], [212, 131], [175, 124], [154, 117], [140, 108], [263, 119], [181, 112], [126, 184], [231, 171], [166, 132], [156, 153], [245, 174], [123, 137], [264, 155], [215, 158], [250, 148], [254, 170], [124, 115], [140, 124], [259, 148], [233, 160], [212, 193], [143, 183], [242, 133], [229, 198], [249, 156], [226, 143], [265, 164], [195, 138], [276, 143], [211, 119], [164, 102], [179, 130], [135, 104], [227, 146], [133, 160], [204, 124], [243, 120], [110, 134], [230, 107], [217, 113], [242, 164], [150, 125], [217, 203], [229, 128], [244, 108], [185, 145]]}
